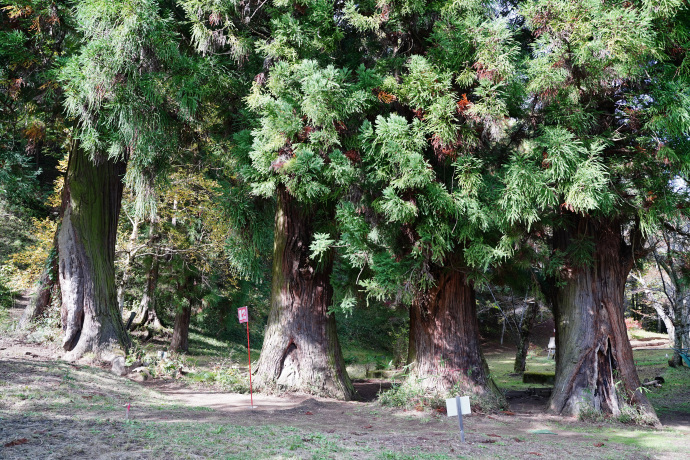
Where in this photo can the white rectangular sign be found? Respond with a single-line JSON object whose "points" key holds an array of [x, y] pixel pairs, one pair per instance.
{"points": [[452, 409]]}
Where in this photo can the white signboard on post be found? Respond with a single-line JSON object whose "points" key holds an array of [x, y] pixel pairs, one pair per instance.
{"points": [[457, 407], [243, 315], [452, 408]]}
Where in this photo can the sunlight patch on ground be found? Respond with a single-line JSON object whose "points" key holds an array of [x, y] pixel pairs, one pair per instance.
{"points": [[650, 440]]}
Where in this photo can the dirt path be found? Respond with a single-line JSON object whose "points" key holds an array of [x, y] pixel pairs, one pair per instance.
{"points": [[60, 410], [18, 307]]}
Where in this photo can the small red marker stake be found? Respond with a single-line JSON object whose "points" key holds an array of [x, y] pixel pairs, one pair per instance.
{"points": [[127, 412], [243, 315]]}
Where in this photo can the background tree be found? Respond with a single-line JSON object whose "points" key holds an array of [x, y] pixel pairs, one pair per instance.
{"points": [[34, 35], [129, 63], [664, 284], [518, 314]]}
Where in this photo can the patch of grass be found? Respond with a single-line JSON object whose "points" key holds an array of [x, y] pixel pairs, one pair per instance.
{"points": [[227, 378], [657, 441], [673, 396], [214, 440], [391, 455], [202, 345], [545, 378], [410, 394], [6, 299], [653, 357], [501, 367], [354, 353]]}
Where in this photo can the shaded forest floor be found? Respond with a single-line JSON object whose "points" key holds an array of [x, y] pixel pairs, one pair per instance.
{"points": [[53, 409]]}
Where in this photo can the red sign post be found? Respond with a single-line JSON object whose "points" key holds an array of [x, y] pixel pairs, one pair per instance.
{"points": [[243, 316]]}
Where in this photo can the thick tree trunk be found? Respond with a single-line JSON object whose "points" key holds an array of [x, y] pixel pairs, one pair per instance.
{"points": [[300, 350], [91, 320], [180, 337], [444, 349], [46, 288], [594, 361], [523, 337]]}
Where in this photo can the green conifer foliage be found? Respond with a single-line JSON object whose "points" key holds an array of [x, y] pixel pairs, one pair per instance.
{"points": [[423, 226], [34, 35], [308, 111], [297, 152], [605, 85]]}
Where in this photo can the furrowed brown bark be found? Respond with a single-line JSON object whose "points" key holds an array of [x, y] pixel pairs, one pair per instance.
{"points": [[180, 337], [91, 320], [301, 351], [444, 338], [594, 360]]}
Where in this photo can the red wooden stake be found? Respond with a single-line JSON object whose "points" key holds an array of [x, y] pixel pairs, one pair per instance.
{"points": [[249, 354], [243, 316]]}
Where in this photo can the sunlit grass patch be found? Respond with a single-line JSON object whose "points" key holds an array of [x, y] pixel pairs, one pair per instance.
{"points": [[657, 441], [652, 357], [501, 367], [200, 344], [636, 333], [214, 440]]}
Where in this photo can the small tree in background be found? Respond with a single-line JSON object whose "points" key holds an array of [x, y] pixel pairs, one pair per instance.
{"points": [[664, 282]]}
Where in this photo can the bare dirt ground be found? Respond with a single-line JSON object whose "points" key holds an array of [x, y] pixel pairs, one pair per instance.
{"points": [[57, 410]]}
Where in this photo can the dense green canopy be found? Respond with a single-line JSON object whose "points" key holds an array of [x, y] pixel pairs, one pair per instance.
{"points": [[403, 151]]}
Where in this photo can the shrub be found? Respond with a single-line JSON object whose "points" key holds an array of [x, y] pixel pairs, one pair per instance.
{"points": [[6, 294], [228, 378]]}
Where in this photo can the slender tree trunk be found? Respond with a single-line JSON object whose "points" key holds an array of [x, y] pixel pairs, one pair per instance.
{"points": [[91, 320], [126, 270], [524, 335], [667, 320], [594, 360], [146, 313], [681, 328], [300, 350], [46, 288], [180, 337], [444, 349]]}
